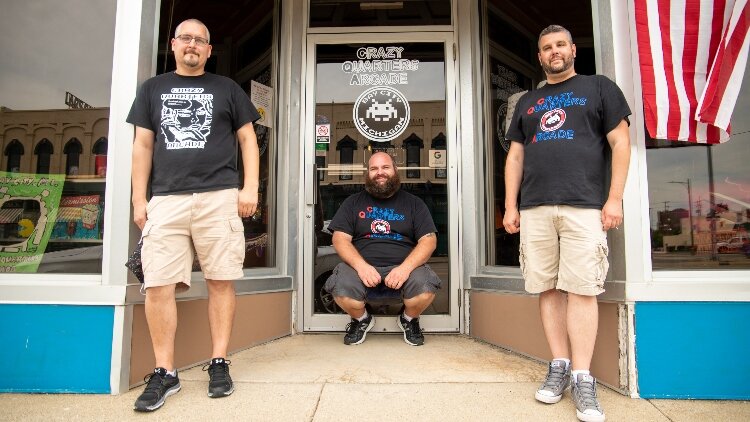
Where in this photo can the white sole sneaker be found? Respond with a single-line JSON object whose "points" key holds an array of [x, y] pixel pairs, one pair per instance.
{"points": [[547, 399], [590, 418]]}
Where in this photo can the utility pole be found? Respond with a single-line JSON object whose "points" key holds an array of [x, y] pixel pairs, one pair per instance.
{"points": [[690, 209]]}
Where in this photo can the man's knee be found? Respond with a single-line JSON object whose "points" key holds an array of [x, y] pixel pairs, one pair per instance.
{"points": [[220, 286], [161, 293], [422, 297], [421, 281]]}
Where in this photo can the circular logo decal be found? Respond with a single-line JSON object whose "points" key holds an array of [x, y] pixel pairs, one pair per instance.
{"points": [[381, 113], [500, 126], [380, 227], [552, 120]]}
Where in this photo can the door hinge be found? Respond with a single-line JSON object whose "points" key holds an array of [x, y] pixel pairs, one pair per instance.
{"points": [[454, 52], [460, 295]]}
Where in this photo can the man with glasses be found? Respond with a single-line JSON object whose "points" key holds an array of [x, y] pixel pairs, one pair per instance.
{"points": [[188, 124], [561, 135]]}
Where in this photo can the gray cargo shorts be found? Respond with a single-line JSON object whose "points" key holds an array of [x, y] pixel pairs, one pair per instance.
{"points": [[345, 282]]}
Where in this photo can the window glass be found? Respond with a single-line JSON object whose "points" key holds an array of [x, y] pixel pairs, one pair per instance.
{"points": [[242, 41], [55, 80], [699, 199], [512, 68], [324, 13]]}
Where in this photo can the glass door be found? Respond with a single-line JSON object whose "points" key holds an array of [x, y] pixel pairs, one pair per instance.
{"points": [[379, 92]]}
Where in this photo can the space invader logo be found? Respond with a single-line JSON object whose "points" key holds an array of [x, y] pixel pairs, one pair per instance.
{"points": [[381, 113]]}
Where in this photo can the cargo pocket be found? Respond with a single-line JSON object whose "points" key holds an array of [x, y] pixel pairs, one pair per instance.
{"points": [[146, 247], [602, 264], [236, 241], [522, 259]]}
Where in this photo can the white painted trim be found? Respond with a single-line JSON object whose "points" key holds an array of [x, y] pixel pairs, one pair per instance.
{"points": [[80, 294], [117, 359]]}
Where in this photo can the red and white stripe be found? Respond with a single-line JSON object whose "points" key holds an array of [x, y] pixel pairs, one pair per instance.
{"points": [[692, 56]]}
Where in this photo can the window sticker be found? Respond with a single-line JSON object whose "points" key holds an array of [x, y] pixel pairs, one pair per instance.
{"points": [[381, 113]]}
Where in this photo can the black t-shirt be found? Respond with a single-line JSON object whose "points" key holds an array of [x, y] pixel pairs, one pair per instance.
{"points": [[564, 128], [195, 119], [384, 231]]}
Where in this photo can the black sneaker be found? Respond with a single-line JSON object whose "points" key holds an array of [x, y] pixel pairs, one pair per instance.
{"points": [[412, 333], [220, 383], [159, 386], [356, 331]]}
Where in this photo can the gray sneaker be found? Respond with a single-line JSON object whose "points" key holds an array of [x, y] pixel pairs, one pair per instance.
{"points": [[558, 379], [584, 396]]}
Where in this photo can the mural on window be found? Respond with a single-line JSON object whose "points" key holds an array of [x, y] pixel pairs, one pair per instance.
{"points": [[53, 109]]}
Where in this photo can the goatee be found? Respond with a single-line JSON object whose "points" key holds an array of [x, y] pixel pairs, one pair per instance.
{"points": [[384, 190], [552, 70]]}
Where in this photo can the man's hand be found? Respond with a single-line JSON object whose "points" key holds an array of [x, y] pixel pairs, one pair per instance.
{"points": [[611, 215], [512, 220], [247, 203], [397, 277], [139, 214], [369, 275]]}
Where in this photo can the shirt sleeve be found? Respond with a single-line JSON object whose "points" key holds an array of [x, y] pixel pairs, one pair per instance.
{"points": [[244, 110], [615, 106], [140, 111]]}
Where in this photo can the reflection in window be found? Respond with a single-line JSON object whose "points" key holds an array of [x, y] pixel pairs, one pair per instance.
{"points": [[43, 152], [346, 147], [100, 156], [72, 151], [413, 146], [699, 204], [14, 152], [54, 224], [438, 143]]}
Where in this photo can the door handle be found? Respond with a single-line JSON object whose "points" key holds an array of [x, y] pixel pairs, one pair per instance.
{"points": [[311, 191]]}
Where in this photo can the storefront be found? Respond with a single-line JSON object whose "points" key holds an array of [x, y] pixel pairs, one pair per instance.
{"points": [[427, 81]]}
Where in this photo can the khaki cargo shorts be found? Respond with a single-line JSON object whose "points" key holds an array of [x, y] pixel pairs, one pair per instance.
{"points": [[205, 224], [565, 248]]}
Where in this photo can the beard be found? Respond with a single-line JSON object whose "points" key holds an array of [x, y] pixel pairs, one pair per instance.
{"points": [[191, 60], [553, 70], [385, 189]]}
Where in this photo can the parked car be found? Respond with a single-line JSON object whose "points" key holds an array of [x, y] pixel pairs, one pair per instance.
{"points": [[734, 245]]}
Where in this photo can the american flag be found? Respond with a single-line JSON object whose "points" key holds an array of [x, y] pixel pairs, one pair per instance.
{"points": [[692, 55]]}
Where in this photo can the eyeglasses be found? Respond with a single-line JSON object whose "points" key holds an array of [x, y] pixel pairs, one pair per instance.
{"points": [[185, 39]]}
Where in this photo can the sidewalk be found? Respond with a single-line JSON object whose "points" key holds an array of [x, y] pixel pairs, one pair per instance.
{"points": [[316, 378]]}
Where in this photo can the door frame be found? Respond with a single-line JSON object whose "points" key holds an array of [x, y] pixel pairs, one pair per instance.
{"points": [[449, 323]]}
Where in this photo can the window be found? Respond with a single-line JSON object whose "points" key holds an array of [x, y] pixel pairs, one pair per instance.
{"points": [[99, 152], [244, 42], [14, 152], [72, 151], [324, 13], [346, 147], [413, 146], [55, 105], [43, 152], [511, 68], [699, 199]]}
